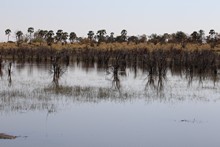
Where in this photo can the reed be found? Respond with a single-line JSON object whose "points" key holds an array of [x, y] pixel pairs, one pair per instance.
{"points": [[154, 59]]}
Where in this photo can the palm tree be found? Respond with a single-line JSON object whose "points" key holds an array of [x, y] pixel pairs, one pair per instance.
{"points": [[72, 37], [195, 37], [90, 35], [154, 38], [49, 37], [181, 38], [111, 38], [212, 33], [43, 35], [212, 38], [64, 37], [38, 36], [124, 35], [30, 30], [50, 33], [100, 35], [8, 32], [45, 32], [19, 37], [58, 36]]}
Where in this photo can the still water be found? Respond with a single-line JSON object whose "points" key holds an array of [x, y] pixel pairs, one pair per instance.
{"points": [[85, 109]]}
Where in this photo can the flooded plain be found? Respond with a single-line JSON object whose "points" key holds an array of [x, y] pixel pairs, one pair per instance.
{"points": [[89, 106]]}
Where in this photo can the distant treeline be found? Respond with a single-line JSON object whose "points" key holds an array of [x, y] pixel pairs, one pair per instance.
{"points": [[101, 36]]}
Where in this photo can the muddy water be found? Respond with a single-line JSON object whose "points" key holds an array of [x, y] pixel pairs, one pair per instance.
{"points": [[86, 109]]}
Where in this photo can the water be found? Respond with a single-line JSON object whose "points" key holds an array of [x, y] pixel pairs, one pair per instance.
{"points": [[85, 110]]}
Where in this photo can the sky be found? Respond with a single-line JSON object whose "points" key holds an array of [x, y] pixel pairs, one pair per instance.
{"points": [[136, 16]]}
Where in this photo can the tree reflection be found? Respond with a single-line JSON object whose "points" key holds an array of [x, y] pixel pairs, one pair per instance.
{"points": [[118, 68], [114, 72], [1, 73], [157, 69], [57, 70], [189, 68], [9, 74]]}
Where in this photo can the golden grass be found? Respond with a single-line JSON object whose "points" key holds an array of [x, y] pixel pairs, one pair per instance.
{"points": [[110, 46]]}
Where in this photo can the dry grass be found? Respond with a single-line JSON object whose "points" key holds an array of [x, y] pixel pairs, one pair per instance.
{"points": [[108, 46]]}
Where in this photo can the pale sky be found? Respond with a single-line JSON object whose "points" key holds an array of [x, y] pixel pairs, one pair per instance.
{"points": [[136, 16]]}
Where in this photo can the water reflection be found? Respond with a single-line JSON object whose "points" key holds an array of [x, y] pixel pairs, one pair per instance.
{"points": [[33, 90], [113, 72], [58, 69], [157, 71], [9, 74], [145, 92], [1, 66]]}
